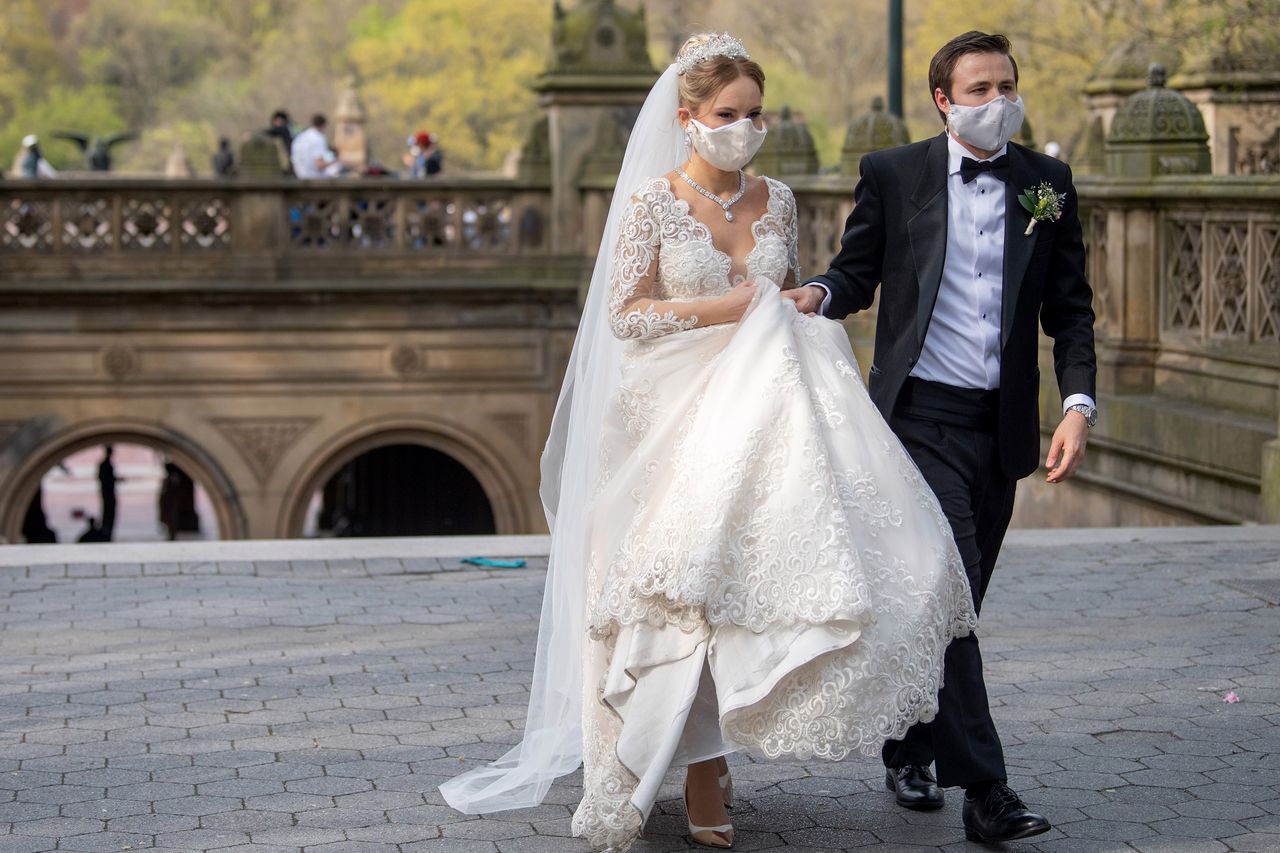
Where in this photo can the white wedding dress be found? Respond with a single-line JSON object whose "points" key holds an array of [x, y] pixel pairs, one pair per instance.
{"points": [[767, 569]]}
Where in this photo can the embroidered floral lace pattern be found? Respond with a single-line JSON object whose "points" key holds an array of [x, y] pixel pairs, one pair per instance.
{"points": [[748, 485], [664, 253], [605, 816], [810, 712]]}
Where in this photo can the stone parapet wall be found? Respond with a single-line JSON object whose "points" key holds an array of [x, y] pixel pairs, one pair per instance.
{"points": [[262, 334], [1186, 278]]}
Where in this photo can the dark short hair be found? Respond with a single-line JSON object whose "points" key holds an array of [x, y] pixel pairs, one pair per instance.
{"points": [[318, 120], [943, 64], [280, 114]]}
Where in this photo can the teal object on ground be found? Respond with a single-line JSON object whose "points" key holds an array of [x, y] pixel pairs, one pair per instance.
{"points": [[491, 563]]}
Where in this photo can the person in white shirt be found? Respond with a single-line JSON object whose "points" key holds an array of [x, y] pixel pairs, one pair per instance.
{"points": [[965, 275], [310, 150], [31, 162]]}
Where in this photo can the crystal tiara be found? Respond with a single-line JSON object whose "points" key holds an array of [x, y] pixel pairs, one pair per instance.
{"points": [[716, 46]]}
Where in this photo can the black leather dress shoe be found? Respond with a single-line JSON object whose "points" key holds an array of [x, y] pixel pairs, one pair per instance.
{"points": [[1000, 816], [914, 787]]}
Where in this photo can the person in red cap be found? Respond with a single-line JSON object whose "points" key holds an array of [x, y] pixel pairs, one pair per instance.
{"points": [[424, 157]]}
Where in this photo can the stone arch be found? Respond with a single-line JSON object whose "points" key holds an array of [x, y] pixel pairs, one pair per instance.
{"points": [[500, 485], [187, 454]]}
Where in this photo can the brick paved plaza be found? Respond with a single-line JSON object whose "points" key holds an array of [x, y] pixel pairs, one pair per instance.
{"points": [[214, 702]]}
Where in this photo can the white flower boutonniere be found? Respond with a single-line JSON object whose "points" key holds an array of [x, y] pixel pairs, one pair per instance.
{"points": [[1044, 204]]}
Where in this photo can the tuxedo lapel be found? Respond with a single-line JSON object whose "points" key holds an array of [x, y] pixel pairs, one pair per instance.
{"points": [[1017, 245], [928, 232]]}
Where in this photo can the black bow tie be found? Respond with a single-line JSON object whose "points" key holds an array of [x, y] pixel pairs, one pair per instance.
{"points": [[999, 168]]}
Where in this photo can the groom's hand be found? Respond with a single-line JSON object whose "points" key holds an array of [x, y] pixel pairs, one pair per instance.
{"points": [[808, 299], [1067, 449]]}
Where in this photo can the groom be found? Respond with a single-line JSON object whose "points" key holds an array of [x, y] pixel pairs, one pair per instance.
{"points": [[938, 224]]}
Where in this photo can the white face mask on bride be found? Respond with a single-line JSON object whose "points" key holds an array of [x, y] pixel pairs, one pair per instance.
{"points": [[989, 126], [729, 147]]}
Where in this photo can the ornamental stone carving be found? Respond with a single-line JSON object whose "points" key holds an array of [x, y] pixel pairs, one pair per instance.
{"points": [[119, 361], [875, 129], [1157, 132], [262, 441], [406, 360]]}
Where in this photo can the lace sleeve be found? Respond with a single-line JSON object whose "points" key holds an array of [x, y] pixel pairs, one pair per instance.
{"points": [[634, 310], [793, 242]]}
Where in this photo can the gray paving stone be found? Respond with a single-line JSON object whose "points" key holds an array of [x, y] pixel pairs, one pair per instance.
{"points": [[450, 845], [276, 706], [101, 841], [152, 824], [27, 844], [58, 827]]}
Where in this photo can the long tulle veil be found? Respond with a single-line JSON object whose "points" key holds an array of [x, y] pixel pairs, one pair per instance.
{"points": [[552, 744]]}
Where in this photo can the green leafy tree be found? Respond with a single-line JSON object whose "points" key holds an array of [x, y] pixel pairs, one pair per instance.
{"points": [[456, 68], [146, 50], [188, 71], [62, 108], [29, 59]]}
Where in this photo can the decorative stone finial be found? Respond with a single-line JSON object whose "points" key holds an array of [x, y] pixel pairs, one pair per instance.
{"points": [[1157, 131], [875, 129], [596, 37], [788, 149]]}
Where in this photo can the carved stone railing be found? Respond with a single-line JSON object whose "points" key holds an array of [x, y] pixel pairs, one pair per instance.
{"points": [[1186, 279], [822, 205], [1215, 251], [108, 229]]}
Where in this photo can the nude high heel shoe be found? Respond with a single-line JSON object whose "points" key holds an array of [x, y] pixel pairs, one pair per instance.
{"points": [[720, 837], [726, 782]]}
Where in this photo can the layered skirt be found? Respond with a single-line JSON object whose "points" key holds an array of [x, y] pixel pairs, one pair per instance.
{"points": [[768, 570]]}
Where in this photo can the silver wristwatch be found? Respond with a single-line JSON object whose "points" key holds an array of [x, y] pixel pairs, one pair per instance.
{"points": [[1089, 412]]}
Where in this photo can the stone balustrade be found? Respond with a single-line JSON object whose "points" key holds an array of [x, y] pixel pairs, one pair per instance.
{"points": [[1208, 272], [263, 229]]}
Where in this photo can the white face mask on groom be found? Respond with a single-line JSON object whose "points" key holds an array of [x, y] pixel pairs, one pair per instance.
{"points": [[988, 127]]}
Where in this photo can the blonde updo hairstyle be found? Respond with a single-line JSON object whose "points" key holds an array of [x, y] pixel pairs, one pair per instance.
{"points": [[703, 81]]}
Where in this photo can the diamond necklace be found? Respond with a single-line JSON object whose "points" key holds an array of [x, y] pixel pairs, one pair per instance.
{"points": [[742, 189]]}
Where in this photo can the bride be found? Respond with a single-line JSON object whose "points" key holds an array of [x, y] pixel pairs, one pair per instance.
{"points": [[743, 556]]}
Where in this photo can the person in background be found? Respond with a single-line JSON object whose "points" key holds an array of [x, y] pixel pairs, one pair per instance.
{"points": [[310, 150], [93, 533], [413, 159], [224, 162], [432, 156], [107, 480], [279, 128], [170, 488], [333, 167], [32, 162], [1053, 149]]}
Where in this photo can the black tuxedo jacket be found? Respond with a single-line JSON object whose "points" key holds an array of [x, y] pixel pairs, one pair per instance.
{"points": [[896, 237]]}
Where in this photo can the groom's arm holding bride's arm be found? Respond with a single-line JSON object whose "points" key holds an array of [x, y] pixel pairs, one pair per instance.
{"points": [[849, 284]]}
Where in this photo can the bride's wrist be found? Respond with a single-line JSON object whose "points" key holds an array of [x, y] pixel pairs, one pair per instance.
{"points": [[713, 312]]}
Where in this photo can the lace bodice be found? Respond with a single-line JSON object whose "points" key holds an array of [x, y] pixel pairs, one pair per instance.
{"points": [[665, 256]]}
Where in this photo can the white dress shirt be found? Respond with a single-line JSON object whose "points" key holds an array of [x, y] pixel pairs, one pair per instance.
{"points": [[962, 345], [309, 147]]}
